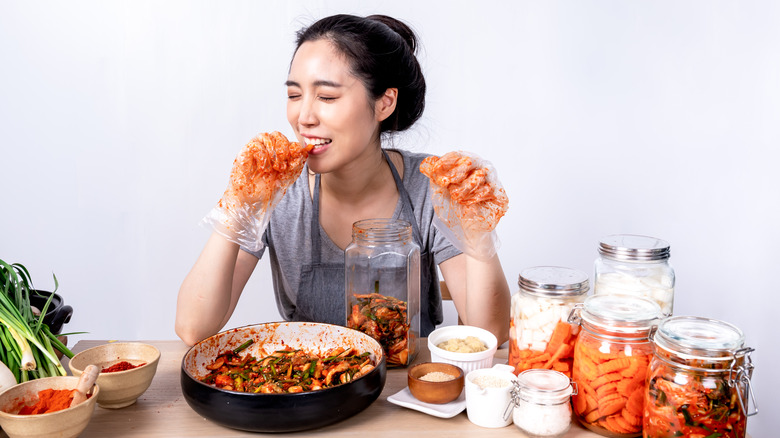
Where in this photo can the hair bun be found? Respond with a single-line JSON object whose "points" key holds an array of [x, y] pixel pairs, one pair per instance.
{"points": [[398, 27]]}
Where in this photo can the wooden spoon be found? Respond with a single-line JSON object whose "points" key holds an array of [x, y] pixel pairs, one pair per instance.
{"points": [[88, 378]]}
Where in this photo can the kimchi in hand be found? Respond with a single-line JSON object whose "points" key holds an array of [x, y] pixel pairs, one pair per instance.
{"points": [[468, 199], [262, 172]]}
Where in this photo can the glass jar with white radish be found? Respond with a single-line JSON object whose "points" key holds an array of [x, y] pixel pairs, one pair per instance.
{"points": [[540, 336], [635, 265]]}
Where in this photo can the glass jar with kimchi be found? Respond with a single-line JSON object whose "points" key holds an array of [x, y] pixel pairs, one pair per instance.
{"points": [[699, 381], [635, 265], [383, 286], [611, 359], [539, 334]]}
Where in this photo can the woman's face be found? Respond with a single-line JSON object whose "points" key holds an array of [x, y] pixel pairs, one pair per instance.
{"points": [[329, 108]]}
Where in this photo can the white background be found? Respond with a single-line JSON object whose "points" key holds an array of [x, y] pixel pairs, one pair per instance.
{"points": [[119, 122]]}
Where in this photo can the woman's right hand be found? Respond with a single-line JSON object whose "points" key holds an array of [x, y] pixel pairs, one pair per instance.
{"points": [[261, 173]]}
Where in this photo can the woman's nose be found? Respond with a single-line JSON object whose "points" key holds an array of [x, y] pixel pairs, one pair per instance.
{"points": [[306, 115]]}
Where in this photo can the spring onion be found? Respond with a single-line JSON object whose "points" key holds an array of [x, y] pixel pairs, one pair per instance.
{"points": [[28, 344]]}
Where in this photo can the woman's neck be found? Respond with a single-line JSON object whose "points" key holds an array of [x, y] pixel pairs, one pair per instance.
{"points": [[363, 178]]}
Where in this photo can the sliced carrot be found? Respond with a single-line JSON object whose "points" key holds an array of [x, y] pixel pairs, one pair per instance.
{"points": [[633, 420], [564, 367], [562, 350], [636, 402], [607, 389], [613, 365], [610, 404], [560, 335], [542, 358], [579, 404], [617, 424], [604, 379], [592, 416], [626, 386]]}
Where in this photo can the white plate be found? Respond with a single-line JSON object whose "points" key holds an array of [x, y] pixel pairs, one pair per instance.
{"points": [[447, 410]]}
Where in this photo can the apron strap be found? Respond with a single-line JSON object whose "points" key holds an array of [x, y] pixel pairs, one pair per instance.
{"points": [[406, 201], [316, 242]]}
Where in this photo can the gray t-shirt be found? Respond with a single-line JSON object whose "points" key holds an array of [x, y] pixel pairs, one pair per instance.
{"points": [[289, 233]]}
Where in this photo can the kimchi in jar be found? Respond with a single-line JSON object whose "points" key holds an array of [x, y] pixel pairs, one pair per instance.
{"points": [[699, 380], [383, 286]]}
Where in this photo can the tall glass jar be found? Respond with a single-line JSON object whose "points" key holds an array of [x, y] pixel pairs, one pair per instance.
{"points": [[699, 380], [539, 334], [611, 359], [635, 265], [382, 278]]}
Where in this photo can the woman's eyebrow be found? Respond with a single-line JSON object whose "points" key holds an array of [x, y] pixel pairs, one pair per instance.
{"points": [[319, 83]]}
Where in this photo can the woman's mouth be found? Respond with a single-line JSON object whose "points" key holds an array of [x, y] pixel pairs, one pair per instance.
{"points": [[317, 144]]}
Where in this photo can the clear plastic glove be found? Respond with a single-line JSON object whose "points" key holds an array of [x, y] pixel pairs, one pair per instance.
{"points": [[261, 174], [468, 200]]}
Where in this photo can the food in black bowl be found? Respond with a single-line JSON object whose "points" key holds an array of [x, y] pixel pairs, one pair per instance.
{"points": [[350, 389]]}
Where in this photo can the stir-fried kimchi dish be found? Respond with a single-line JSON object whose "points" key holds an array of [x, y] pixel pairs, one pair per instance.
{"points": [[384, 319], [286, 371], [474, 197], [264, 168]]}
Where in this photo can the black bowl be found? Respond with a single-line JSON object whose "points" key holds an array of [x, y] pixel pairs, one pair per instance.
{"points": [[281, 412], [57, 314]]}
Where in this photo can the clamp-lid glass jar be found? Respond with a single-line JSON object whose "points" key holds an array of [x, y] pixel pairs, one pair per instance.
{"points": [[382, 278], [699, 380], [541, 402], [635, 265], [611, 359], [539, 334]]}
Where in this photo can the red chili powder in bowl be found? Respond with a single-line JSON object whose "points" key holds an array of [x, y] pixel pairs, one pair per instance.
{"points": [[120, 366], [49, 400]]}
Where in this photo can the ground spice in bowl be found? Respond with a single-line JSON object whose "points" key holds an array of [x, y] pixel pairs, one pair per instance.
{"points": [[120, 366], [437, 376], [49, 400]]}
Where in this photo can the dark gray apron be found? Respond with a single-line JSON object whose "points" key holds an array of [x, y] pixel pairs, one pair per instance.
{"points": [[321, 296]]}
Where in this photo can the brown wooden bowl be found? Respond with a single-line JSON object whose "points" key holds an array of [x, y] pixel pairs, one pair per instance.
{"points": [[435, 392]]}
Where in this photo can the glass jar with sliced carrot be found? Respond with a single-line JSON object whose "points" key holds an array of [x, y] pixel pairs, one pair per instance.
{"points": [[539, 334], [699, 380], [611, 359]]}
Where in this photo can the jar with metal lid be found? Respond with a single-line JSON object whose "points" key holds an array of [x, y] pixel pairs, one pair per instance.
{"points": [[611, 359], [382, 278], [635, 265], [699, 380], [541, 403], [539, 334]]}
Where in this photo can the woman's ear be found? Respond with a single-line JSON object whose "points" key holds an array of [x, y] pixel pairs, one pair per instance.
{"points": [[385, 105]]}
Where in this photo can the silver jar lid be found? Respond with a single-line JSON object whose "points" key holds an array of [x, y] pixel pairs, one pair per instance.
{"points": [[621, 313], [699, 338], [543, 386], [553, 281], [630, 247]]}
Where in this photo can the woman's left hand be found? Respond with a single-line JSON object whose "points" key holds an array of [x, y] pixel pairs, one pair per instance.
{"points": [[468, 200]]}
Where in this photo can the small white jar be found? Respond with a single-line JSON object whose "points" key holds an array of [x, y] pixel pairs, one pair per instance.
{"points": [[488, 396], [541, 403]]}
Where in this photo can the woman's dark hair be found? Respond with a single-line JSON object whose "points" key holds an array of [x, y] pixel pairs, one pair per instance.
{"points": [[381, 53]]}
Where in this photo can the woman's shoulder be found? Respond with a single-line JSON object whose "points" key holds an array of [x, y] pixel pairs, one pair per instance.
{"points": [[412, 161]]}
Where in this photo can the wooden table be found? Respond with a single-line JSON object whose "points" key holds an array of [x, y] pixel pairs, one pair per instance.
{"points": [[162, 411]]}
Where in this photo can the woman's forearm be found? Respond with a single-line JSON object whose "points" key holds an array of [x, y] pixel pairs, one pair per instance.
{"points": [[480, 292], [487, 297], [205, 296]]}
